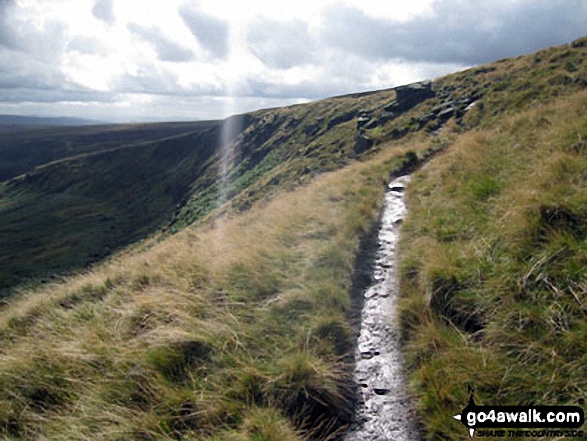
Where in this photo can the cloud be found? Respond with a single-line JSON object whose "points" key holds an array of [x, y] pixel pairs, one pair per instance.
{"points": [[6, 29], [147, 80], [102, 10], [45, 40], [458, 31], [281, 45], [18, 72], [30, 57], [167, 50], [152, 80], [24, 80], [55, 95], [86, 45], [211, 32], [346, 50], [307, 89]]}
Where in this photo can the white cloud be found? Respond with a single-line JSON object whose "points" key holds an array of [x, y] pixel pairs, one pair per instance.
{"points": [[211, 32], [282, 45], [167, 49], [102, 10]]}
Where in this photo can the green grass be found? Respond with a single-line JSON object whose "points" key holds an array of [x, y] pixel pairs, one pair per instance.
{"points": [[494, 252], [67, 214]]}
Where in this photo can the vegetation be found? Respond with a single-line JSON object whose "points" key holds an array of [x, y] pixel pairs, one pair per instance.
{"points": [[234, 317], [494, 252], [238, 328]]}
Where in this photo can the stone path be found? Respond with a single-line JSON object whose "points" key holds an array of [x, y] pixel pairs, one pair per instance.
{"points": [[386, 412]]}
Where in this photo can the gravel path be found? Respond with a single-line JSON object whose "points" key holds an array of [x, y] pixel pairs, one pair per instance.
{"points": [[386, 412]]}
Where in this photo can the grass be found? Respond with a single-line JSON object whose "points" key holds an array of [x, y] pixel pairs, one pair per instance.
{"points": [[69, 212], [494, 253], [236, 328]]}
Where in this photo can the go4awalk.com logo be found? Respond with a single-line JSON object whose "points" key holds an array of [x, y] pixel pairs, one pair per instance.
{"points": [[522, 421]]}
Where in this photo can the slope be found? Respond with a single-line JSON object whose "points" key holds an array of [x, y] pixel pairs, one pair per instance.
{"points": [[22, 150], [494, 253], [230, 329]]}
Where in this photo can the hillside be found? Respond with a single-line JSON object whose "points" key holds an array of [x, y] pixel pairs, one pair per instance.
{"points": [[494, 253], [72, 176], [236, 320]]}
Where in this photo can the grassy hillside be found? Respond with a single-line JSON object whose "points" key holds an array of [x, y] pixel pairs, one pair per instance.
{"points": [[107, 192], [66, 214], [494, 253], [88, 191], [237, 329], [237, 322]]}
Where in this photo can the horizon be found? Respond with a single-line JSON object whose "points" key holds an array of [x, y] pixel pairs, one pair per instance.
{"points": [[188, 61]]}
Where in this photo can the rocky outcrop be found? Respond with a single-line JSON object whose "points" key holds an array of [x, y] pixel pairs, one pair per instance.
{"points": [[342, 118], [362, 142], [314, 128], [409, 96]]}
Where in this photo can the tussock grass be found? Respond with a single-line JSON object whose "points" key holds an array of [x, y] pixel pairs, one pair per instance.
{"points": [[236, 328], [494, 253]]}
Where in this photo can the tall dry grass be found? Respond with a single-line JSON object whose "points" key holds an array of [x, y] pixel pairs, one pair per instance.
{"points": [[236, 328]]}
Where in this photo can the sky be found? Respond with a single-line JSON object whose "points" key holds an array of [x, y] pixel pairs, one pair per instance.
{"points": [[168, 60]]}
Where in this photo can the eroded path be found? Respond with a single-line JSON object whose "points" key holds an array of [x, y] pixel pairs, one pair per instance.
{"points": [[386, 412]]}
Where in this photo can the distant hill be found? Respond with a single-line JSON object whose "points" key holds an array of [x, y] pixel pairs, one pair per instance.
{"points": [[17, 122], [24, 149]]}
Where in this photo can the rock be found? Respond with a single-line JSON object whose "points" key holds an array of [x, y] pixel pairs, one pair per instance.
{"points": [[368, 355], [386, 116], [443, 106], [362, 143], [340, 119], [371, 124], [380, 391], [415, 91], [446, 114], [363, 120], [312, 129], [397, 133], [484, 70], [409, 96]]}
